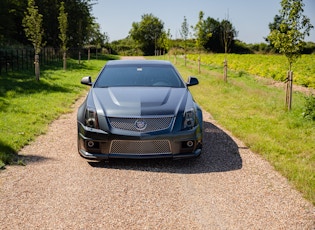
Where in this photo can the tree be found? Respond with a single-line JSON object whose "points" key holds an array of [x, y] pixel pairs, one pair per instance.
{"points": [[228, 33], [11, 16], [95, 38], [168, 42], [63, 26], [79, 18], [213, 43], [201, 35], [147, 33], [163, 42], [184, 32], [32, 23], [287, 36]]}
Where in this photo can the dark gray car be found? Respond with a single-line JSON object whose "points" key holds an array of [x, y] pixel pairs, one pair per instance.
{"points": [[139, 109]]}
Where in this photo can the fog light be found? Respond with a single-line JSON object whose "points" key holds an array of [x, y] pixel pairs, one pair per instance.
{"points": [[190, 144], [90, 144]]}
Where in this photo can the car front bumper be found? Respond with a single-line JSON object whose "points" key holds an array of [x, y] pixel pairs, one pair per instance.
{"points": [[97, 144]]}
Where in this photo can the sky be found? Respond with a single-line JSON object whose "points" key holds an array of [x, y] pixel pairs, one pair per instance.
{"points": [[249, 17]]}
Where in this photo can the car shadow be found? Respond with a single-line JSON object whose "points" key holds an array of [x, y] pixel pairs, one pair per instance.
{"points": [[10, 157], [220, 154]]}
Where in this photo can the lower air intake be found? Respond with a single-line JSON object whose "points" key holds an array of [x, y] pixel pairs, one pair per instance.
{"points": [[140, 147]]}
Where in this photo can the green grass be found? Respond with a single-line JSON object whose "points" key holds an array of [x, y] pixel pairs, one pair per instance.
{"points": [[28, 106], [256, 114]]}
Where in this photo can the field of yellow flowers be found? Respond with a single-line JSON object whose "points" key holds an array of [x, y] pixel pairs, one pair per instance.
{"points": [[269, 66]]}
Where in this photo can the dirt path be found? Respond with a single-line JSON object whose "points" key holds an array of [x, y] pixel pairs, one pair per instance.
{"points": [[132, 57], [228, 187]]}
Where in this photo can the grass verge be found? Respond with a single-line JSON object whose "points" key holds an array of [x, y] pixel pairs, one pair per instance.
{"points": [[255, 113], [28, 106]]}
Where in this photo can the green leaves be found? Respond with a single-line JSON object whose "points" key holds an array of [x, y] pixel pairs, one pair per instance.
{"points": [[184, 32], [13, 12], [63, 26], [32, 23], [201, 32], [147, 32], [289, 30], [309, 111]]}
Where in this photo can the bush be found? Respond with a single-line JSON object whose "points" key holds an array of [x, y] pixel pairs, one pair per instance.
{"points": [[240, 47], [309, 112]]}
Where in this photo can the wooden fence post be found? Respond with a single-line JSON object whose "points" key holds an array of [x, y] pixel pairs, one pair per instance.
{"points": [[288, 100]]}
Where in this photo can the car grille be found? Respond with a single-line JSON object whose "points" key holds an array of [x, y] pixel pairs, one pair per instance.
{"points": [[141, 124], [140, 147]]}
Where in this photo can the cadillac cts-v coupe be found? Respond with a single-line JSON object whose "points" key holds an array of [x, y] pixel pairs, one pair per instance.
{"points": [[139, 109]]}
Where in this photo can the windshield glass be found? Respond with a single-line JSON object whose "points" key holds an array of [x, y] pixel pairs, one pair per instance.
{"points": [[148, 76]]}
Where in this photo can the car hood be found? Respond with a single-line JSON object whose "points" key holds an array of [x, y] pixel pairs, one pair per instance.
{"points": [[139, 101]]}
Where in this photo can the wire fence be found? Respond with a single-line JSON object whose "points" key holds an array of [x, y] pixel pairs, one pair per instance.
{"points": [[23, 59], [13, 60]]}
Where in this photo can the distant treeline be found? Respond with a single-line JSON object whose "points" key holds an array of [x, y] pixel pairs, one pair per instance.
{"points": [[129, 47], [83, 32]]}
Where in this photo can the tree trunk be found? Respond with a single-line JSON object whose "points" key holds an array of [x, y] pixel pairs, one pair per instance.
{"points": [[288, 97], [199, 64], [64, 58], [225, 70], [37, 70]]}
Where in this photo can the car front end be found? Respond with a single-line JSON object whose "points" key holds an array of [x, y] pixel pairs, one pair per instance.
{"points": [[139, 122], [125, 142]]}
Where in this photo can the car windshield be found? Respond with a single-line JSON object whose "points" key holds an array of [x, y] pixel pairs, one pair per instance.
{"points": [[131, 75]]}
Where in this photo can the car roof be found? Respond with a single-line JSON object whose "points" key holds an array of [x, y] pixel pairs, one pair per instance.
{"points": [[138, 62]]}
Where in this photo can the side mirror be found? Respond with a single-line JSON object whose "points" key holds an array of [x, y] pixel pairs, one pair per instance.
{"points": [[192, 81], [86, 81]]}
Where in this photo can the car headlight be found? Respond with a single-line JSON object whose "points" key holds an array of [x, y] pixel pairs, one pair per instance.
{"points": [[91, 118], [189, 119]]}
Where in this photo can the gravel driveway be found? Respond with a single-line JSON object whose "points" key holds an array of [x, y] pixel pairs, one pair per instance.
{"points": [[228, 187]]}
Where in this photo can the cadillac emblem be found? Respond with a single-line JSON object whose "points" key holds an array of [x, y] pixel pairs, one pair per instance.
{"points": [[140, 125]]}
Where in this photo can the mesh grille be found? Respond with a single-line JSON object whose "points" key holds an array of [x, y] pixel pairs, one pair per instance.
{"points": [[141, 124], [140, 147]]}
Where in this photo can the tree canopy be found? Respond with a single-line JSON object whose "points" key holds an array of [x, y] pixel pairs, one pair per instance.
{"points": [[214, 35], [289, 30], [32, 23], [184, 32], [63, 26], [80, 21], [147, 32]]}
